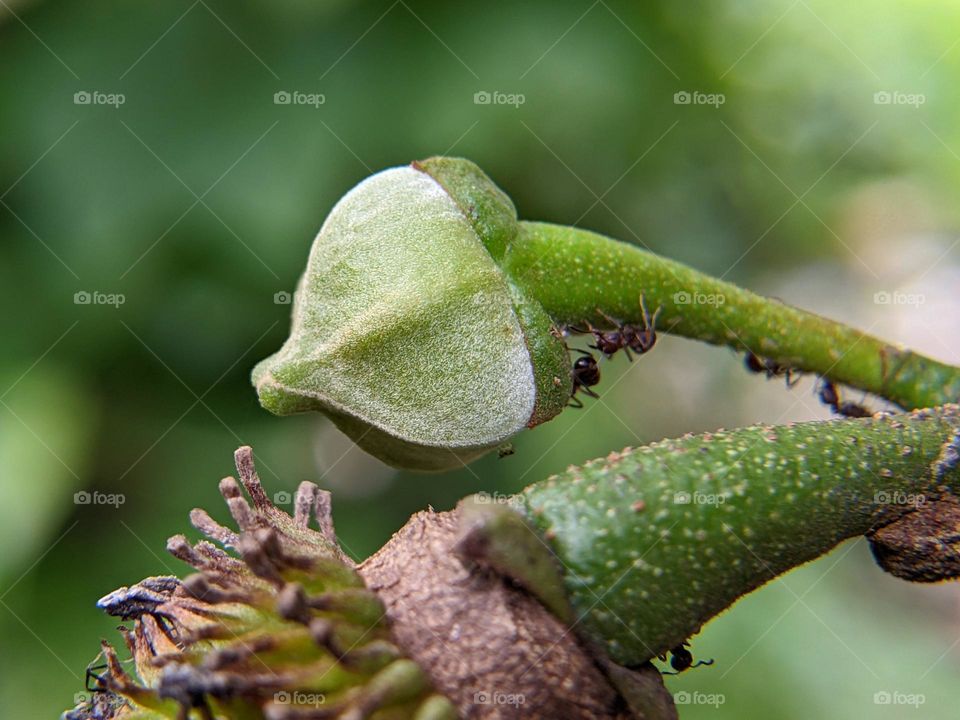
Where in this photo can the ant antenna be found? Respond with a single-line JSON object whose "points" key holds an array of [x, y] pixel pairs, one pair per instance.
{"points": [[648, 321]]}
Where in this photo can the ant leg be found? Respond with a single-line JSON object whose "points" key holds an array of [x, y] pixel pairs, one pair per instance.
{"points": [[589, 391], [575, 402], [792, 379], [581, 331], [702, 662], [613, 321], [99, 683]]}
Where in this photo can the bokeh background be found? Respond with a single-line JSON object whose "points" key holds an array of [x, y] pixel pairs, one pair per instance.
{"points": [[823, 171]]}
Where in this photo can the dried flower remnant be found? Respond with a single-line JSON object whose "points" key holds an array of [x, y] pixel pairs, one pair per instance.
{"points": [[280, 627]]}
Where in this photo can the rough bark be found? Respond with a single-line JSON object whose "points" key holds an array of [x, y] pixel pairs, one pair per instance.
{"points": [[482, 641]]}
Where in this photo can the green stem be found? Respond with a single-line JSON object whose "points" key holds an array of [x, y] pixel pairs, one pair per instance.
{"points": [[655, 541], [576, 274]]}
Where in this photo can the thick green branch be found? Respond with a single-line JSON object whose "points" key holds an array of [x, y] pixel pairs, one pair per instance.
{"points": [[655, 541], [574, 273]]}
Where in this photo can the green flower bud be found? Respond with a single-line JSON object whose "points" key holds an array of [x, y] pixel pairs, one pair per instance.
{"points": [[407, 333]]}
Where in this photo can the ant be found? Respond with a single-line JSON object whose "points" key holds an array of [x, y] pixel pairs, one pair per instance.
{"points": [[772, 368], [586, 374], [626, 337], [682, 659], [830, 396]]}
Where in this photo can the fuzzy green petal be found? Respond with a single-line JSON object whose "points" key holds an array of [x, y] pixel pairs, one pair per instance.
{"points": [[404, 330]]}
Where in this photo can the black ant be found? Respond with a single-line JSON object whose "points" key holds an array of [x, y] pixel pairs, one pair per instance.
{"points": [[756, 364], [682, 659], [830, 396], [586, 374], [625, 337]]}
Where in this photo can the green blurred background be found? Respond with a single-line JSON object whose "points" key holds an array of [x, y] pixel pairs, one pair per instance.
{"points": [[197, 199]]}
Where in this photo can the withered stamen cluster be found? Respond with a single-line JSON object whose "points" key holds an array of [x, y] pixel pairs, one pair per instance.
{"points": [[280, 627]]}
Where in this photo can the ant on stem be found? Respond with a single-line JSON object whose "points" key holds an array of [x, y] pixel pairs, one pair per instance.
{"points": [[625, 336], [830, 396], [756, 364], [586, 374]]}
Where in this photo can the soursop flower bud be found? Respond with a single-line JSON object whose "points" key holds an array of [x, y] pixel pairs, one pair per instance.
{"points": [[407, 333]]}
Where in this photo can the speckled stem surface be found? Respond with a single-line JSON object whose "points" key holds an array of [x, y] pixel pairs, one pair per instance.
{"points": [[575, 273], [655, 541]]}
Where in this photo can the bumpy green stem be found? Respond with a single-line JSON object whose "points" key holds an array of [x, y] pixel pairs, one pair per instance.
{"points": [[655, 541], [576, 275]]}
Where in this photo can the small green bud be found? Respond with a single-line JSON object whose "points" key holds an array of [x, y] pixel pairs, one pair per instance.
{"points": [[406, 331]]}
